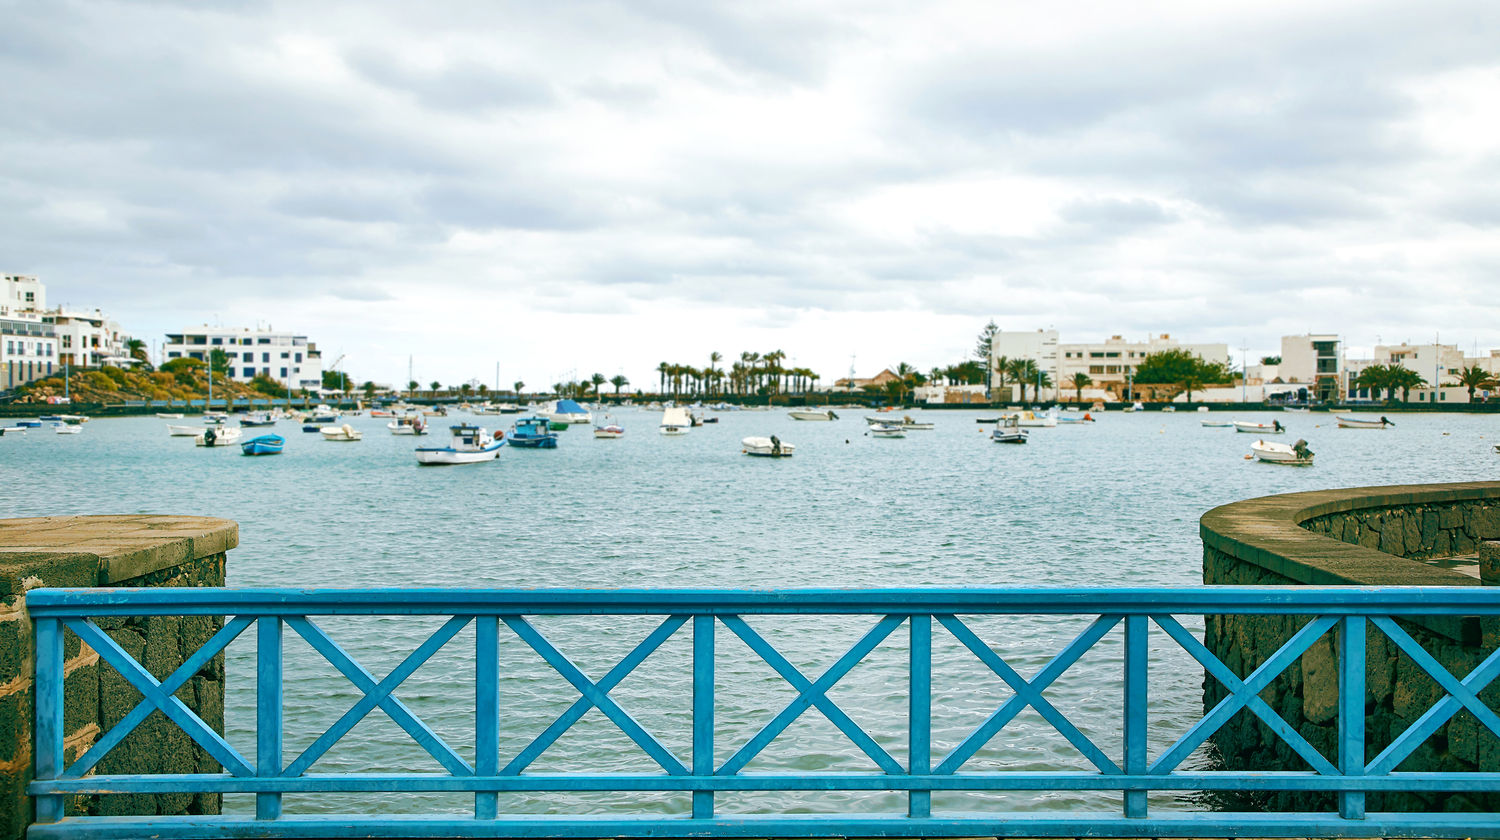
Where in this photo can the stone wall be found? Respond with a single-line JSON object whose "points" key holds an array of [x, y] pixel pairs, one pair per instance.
{"points": [[1369, 536], [123, 551]]}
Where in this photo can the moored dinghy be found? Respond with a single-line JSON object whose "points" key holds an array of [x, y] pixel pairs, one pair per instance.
{"points": [[263, 445], [217, 436], [675, 421], [184, 431], [609, 430], [343, 434], [1008, 430], [1357, 423], [1271, 452], [887, 430], [767, 447], [468, 445], [812, 414], [1272, 428]]}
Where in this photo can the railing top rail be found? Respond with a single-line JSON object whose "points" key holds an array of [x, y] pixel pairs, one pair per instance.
{"points": [[1334, 600]]}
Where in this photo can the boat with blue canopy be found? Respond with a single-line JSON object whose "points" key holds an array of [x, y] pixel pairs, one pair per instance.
{"points": [[532, 433], [263, 445], [570, 412]]}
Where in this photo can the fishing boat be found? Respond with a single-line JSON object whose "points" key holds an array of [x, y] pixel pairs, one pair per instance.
{"points": [[888, 430], [343, 434], [1008, 430], [166, 415], [408, 425], [1030, 419], [468, 445], [184, 431], [812, 414], [508, 408], [1271, 452], [569, 412], [1272, 428], [312, 428], [218, 437], [675, 421], [258, 419], [1357, 423], [321, 415], [609, 430], [987, 420], [532, 433], [1216, 424], [65, 429], [767, 447], [215, 418], [263, 445], [29, 424]]}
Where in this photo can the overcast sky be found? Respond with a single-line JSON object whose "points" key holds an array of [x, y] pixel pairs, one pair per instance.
{"points": [[570, 187]]}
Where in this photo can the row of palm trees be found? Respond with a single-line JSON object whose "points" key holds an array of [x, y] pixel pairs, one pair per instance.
{"points": [[754, 373], [1388, 379]]}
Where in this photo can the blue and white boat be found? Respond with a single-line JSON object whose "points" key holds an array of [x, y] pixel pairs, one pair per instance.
{"points": [[469, 445], [263, 445], [260, 418], [29, 424], [532, 433], [570, 412]]}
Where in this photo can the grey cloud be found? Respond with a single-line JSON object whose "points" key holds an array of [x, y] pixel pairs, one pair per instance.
{"points": [[463, 85], [1116, 212]]}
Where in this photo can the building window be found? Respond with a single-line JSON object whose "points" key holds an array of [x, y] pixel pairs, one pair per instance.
{"points": [[265, 357], [283, 373], [247, 357], [249, 372], [1096, 368], [1111, 355], [174, 355], [216, 341], [298, 360], [263, 341]]}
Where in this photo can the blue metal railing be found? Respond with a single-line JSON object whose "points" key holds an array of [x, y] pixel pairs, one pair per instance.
{"points": [[705, 615]]}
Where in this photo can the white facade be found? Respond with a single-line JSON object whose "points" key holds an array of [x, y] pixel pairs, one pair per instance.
{"points": [[1039, 346], [1315, 361], [283, 356], [88, 339], [1111, 363], [28, 349], [19, 293]]}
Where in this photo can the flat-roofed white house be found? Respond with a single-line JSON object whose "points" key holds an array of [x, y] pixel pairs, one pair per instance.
{"points": [[286, 357]]}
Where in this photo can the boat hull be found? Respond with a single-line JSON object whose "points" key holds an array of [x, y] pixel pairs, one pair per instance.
{"points": [[1258, 429], [1278, 453], [764, 447], [447, 456], [1352, 423], [812, 415], [222, 437], [549, 442], [263, 445]]}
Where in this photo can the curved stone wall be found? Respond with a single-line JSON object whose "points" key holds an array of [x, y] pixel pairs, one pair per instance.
{"points": [[1407, 535]]}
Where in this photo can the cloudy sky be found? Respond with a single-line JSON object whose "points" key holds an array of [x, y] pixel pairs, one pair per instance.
{"points": [[564, 188]]}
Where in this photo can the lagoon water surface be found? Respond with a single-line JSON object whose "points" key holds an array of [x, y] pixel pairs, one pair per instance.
{"points": [[1113, 503]]}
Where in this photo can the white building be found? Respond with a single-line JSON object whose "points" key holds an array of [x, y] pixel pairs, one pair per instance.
{"points": [[88, 339], [28, 346], [1110, 363], [283, 356], [1437, 364], [1315, 362]]}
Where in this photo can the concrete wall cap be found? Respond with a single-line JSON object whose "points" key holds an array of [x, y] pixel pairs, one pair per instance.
{"points": [[124, 546]]}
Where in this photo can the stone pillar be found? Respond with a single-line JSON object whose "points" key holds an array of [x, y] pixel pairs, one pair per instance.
{"points": [[113, 551]]}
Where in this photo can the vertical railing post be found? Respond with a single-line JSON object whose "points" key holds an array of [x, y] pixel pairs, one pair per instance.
{"points": [[919, 715], [49, 714], [1352, 711], [268, 709], [486, 711], [703, 712], [1135, 711]]}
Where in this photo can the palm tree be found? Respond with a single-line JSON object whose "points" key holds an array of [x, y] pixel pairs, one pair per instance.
{"points": [[435, 386], [1406, 380], [1018, 369], [1002, 368], [596, 380], [1081, 380], [619, 381], [137, 350], [483, 389], [1472, 377], [465, 389], [661, 370], [518, 385], [411, 387], [714, 358], [1377, 378]]}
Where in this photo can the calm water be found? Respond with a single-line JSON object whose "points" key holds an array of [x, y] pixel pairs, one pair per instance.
{"points": [[1111, 503]]}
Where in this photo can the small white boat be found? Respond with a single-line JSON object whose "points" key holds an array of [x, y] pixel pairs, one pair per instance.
{"points": [[217, 436], [569, 412], [469, 445], [1202, 409], [1030, 419], [169, 416], [1216, 424], [675, 421], [1296, 455], [345, 433], [65, 429], [1008, 430], [1295, 409], [767, 447], [610, 430], [410, 425], [812, 414], [184, 431], [888, 430], [1168, 408], [1357, 423], [215, 418], [1272, 428], [1135, 406]]}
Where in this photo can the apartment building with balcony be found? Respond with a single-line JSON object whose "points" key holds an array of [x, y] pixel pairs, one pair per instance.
{"points": [[286, 357]]}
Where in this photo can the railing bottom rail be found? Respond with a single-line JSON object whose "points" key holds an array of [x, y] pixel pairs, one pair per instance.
{"points": [[1027, 824]]}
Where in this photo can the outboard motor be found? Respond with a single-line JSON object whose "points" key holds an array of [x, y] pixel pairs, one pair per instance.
{"points": [[1301, 450], [209, 437], [775, 445], [1276, 424]]}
